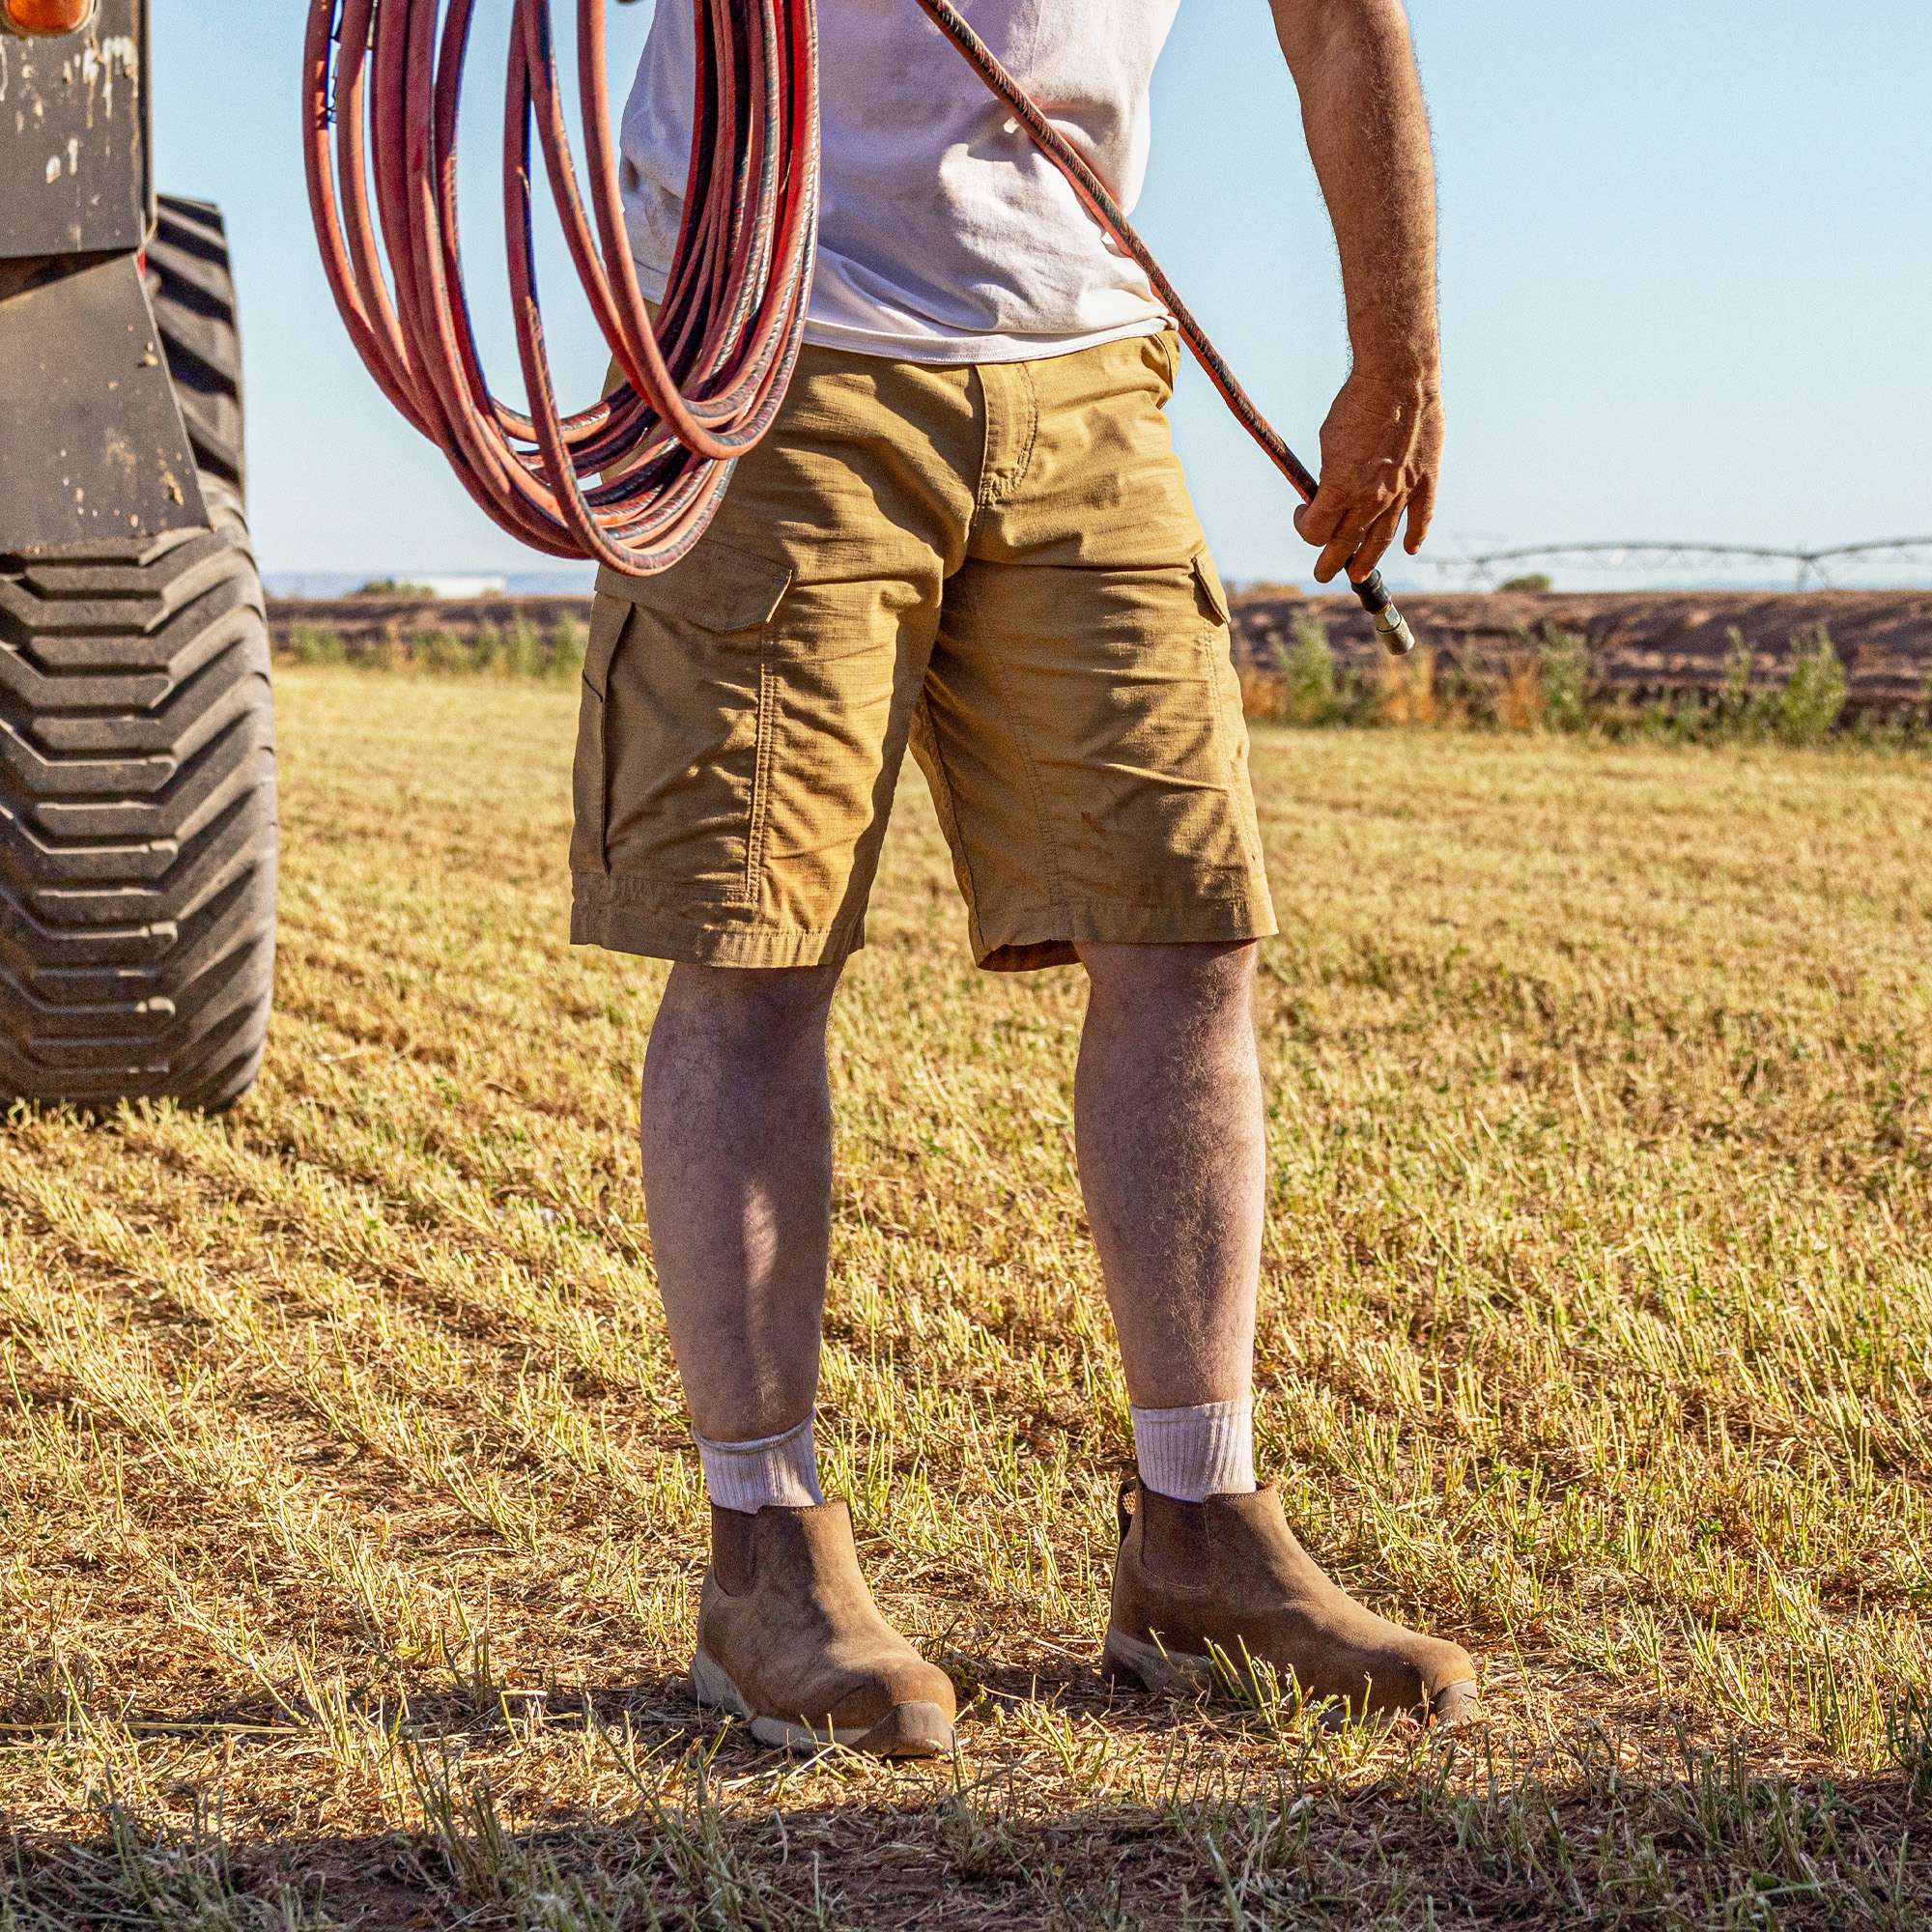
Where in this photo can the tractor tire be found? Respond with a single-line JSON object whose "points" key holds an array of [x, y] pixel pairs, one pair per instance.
{"points": [[194, 303], [137, 767]]}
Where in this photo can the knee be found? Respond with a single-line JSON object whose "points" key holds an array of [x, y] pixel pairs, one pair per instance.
{"points": [[765, 1006], [1201, 981]]}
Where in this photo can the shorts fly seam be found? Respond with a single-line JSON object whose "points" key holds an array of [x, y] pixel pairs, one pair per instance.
{"points": [[1025, 469], [999, 482], [988, 488]]}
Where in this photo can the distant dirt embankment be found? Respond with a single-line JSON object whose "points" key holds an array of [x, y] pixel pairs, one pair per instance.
{"points": [[1642, 643], [362, 622]]}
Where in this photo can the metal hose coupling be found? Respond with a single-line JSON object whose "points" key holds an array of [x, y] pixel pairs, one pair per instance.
{"points": [[1389, 621]]}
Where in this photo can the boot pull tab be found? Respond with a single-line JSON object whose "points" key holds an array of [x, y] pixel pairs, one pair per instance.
{"points": [[1130, 1483]]}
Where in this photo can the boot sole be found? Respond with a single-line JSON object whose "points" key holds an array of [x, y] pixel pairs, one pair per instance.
{"points": [[906, 1730], [1134, 1657]]}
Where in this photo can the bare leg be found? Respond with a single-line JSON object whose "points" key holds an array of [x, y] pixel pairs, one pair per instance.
{"points": [[737, 1145], [1172, 1163], [1168, 1111], [737, 1152]]}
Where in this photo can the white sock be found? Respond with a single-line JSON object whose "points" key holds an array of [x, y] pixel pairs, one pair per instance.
{"points": [[1207, 1449], [774, 1472]]}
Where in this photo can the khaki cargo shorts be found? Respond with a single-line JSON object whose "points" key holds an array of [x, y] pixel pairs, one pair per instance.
{"points": [[997, 564]]}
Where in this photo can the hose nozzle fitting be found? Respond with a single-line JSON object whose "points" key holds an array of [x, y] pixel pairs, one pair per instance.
{"points": [[1390, 623]]}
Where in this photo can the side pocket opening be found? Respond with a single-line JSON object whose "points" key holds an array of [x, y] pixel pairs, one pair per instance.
{"points": [[590, 774], [1209, 592], [716, 588], [608, 618]]}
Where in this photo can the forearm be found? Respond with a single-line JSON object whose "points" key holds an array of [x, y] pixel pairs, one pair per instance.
{"points": [[1367, 130]]}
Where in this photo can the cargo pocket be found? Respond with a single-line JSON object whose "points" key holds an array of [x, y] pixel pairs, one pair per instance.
{"points": [[677, 725]]}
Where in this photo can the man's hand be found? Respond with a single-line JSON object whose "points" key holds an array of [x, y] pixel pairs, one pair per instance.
{"points": [[1381, 454]]}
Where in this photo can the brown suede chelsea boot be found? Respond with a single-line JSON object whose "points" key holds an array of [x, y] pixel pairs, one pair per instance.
{"points": [[1196, 1583], [789, 1636]]}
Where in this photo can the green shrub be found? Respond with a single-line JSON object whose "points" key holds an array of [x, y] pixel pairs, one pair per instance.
{"points": [[1808, 708], [1310, 692], [317, 644], [440, 650], [567, 644], [1738, 665], [1563, 674], [522, 648], [1685, 720]]}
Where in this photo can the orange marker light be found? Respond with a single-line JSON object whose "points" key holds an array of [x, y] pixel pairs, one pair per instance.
{"points": [[47, 16]]}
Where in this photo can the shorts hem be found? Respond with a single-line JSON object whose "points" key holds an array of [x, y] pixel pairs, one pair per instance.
{"points": [[649, 933], [1035, 937]]}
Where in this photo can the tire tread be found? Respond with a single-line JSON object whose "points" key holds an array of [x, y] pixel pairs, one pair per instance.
{"points": [[137, 766]]}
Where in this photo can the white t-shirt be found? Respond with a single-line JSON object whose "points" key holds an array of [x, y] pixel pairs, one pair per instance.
{"points": [[945, 235]]}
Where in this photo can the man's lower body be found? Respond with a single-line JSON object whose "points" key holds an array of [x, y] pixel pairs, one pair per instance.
{"points": [[998, 567]]}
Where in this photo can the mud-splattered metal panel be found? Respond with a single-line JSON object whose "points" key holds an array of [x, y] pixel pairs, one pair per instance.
{"points": [[73, 136], [92, 450]]}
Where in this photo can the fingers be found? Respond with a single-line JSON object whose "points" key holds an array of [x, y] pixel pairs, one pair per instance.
{"points": [[1344, 529], [1336, 520], [1324, 527], [1379, 535], [1421, 514], [1354, 531]]}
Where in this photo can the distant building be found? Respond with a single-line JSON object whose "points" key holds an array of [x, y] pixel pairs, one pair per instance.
{"points": [[454, 589]]}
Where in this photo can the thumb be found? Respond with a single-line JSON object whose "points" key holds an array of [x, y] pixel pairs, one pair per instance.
{"points": [[1317, 520]]}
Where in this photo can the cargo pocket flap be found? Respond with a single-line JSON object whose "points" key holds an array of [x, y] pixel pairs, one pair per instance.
{"points": [[715, 586], [1208, 587]]}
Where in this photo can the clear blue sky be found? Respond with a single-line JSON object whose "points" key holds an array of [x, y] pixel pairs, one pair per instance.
{"points": [[1687, 274]]}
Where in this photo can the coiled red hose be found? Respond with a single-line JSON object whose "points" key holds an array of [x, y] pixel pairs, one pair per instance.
{"points": [[632, 481], [384, 84]]}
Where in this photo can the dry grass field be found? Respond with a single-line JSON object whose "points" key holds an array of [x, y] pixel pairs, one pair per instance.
{"points": [[348, 1543]]}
